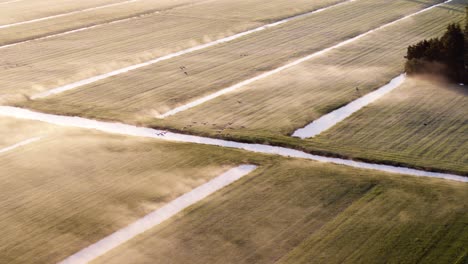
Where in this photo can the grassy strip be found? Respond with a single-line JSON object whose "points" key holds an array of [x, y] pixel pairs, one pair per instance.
{"points": [[24, 10], [420, 122], [86, 19], [13, 131], [281, 208], [74, 187], [269, 111], [65, 59], [165, 85]]}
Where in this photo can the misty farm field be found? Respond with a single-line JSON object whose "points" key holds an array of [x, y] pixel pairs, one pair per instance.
{"points": [[420, 123], [271, 109], [86, 179], [286, 101], [87, 18], [276, 9], [73, 187], [25, 10], [60, 60], [302, 212], [13, 131], [160, 87]]}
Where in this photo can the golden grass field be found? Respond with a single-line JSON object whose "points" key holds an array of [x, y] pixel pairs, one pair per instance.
{"points": [[271, 109], [420, 123], [13, 131], [57, 61], [289, 100], [256, 10], [73, 187], [306, 212], [28, 10], [160, 87], [87, 18]]}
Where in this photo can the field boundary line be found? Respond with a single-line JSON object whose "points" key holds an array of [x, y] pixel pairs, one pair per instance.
{"points": [[64, 14], [331, 119], [19, 144], [158, 216], [9, 2], [241, 84], [90, 80], [77, 30], [91, 26], [130, 130]]}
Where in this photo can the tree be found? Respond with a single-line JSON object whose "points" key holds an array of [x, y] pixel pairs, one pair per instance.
{"points": [[466, 42], [453, 44], [425, 57], [445, 56]]}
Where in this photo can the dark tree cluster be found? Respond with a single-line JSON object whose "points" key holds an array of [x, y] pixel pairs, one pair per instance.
{"points": [[446, 56]]}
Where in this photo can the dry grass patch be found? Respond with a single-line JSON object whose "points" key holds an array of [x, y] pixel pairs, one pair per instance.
{"points": [[84, 19], [420, 123], [160, 87], [271, 109], [291, 99], [57, 61], [320, 213], [28, 10], [257, 10], [13, 131], [72, 188]]}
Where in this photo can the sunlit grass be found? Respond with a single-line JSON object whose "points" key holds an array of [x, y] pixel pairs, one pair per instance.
{"points": [[302, 212], [155, 89]]}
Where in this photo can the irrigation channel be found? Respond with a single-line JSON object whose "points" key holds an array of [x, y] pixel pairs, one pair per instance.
{"points": [[329, 120], [20, 144], [153, 219], [129, 130]]}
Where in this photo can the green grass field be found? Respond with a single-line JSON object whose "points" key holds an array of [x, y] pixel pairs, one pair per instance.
{"points": [[74, 187], [306, 212], [160, 87]]}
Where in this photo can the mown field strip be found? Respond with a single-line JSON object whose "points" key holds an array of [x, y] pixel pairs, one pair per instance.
{"points": [[20, 144], [160, 215], [177, 54], [329, 120], [9, 2], [355, 216], [124, 129], [272, 109], [423, 123], [85, 20], [64, 14], [72, 31], [287, 66]]}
